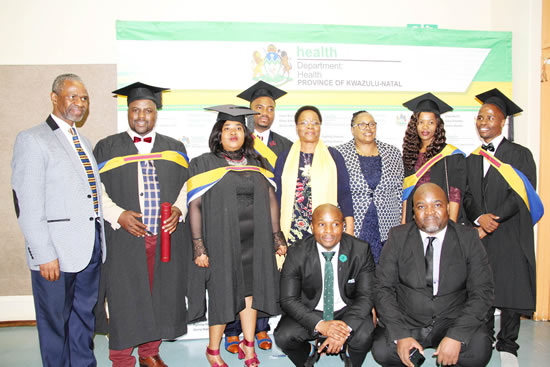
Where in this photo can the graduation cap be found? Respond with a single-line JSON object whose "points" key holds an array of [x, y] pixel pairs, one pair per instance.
{"points": [[140, 90], [232, 112], [497, 98], [428, 103], [261, 89]]}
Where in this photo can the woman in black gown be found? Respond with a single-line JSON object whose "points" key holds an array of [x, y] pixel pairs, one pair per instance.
{"points": [[234, 220], [425, 143]]}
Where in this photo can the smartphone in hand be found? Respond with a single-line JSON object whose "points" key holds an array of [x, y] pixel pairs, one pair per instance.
{"points": [[416, 357]]}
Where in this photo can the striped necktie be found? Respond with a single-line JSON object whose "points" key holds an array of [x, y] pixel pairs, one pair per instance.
{"points": [[87, 166]]}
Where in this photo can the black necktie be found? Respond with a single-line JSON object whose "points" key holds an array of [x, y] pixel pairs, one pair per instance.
{"points": [[489, 147], [429, 261]]}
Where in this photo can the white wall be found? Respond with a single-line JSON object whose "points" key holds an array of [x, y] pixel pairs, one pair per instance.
{"points": [[58, 31], [61, 32], [524, 20]]}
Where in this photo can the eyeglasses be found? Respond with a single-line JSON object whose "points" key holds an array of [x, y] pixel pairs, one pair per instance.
{"points": [[309, 123], [364, 125]]}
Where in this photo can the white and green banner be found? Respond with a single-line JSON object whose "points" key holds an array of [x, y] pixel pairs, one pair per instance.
{"points": [[339, 69]]}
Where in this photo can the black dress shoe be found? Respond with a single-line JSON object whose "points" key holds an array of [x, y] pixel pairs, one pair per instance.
{"points": [[347, 360], [312, 359]]}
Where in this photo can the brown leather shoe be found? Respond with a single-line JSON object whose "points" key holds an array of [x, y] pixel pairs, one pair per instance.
{"points": [[232, 344], [264, 341], [154, 361]]}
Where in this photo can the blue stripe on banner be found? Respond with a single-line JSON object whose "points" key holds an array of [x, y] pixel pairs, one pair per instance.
{"points": [[193, 194], [407, 192], [184, 156], [458, 151], [535, 204]]}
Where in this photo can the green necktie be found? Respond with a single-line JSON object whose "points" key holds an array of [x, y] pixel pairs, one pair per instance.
{"points": [[328, 288]]}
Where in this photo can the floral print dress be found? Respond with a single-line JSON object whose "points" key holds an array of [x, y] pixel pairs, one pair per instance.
{"points": [[301, 217]]}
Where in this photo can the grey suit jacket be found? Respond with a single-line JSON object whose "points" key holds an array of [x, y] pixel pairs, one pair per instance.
{"points": [[53, 199]]}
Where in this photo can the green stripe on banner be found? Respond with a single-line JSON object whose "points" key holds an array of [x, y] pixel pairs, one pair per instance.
{"points": [[350, 108], [493, 69]]}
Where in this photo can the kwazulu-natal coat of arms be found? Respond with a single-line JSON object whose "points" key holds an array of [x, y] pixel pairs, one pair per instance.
{"points": [[272, 66]]}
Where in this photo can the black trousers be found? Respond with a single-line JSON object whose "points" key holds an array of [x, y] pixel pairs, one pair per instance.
{"points": [[509, 330], [475, 353], [294, 340]]}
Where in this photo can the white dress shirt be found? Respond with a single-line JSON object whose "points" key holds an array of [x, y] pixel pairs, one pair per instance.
{"points": [[437, 245], [263, 136], [66, 129], [496, 142], [486, 165]]}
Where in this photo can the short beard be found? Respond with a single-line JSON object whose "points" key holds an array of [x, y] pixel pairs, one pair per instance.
{"points": [[434, 228]]}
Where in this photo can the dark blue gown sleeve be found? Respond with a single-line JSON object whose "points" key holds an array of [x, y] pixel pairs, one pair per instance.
{"points": [[344, 192]]}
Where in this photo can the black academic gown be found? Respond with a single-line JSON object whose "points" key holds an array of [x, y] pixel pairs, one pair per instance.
{"points": [[278, 143], [224, 278], [451, 174], [511, 247], [136, 315]]}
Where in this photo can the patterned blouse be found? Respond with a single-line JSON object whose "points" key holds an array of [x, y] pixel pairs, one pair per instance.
{"points": [[386, 195]]}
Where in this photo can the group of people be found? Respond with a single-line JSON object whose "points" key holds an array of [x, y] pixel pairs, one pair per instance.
{"points": [[258, 224]]}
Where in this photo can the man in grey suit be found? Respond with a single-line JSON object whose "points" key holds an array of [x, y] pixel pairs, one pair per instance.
{"points": [[437, 300], [54, 181]]}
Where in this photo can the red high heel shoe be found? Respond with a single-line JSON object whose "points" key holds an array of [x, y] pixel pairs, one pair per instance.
{"points": [[248, 362], [214, 352]]}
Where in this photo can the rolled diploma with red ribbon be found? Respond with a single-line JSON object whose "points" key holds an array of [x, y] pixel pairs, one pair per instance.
{"points": [[165, 212]]}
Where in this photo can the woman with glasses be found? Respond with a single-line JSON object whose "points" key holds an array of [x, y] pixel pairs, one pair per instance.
{"points": [[308, 175], [428, 158], [376, 180]]}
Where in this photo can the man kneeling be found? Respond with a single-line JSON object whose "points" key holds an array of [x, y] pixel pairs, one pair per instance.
{"points": [[434, 289], [326, 291]]}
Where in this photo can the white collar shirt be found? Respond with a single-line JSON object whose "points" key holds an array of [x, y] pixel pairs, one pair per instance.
{"points": [[142, 146], [66, 129], [496, 142], [263, 136], [437, 246]]}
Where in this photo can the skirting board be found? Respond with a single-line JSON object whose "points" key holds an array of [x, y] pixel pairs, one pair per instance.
{"points": [[17, 308]]}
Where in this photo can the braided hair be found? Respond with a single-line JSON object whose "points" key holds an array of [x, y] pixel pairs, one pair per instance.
{"points": [[412, 142]]}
